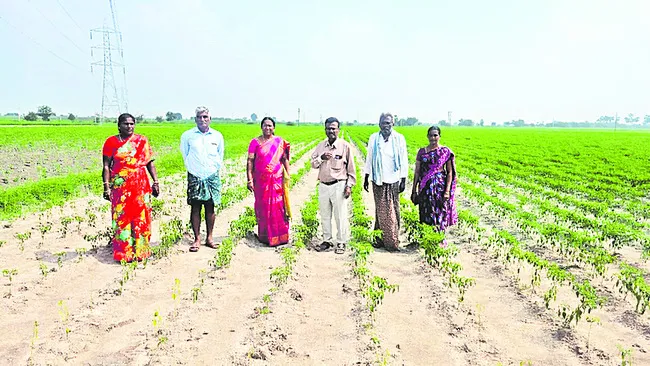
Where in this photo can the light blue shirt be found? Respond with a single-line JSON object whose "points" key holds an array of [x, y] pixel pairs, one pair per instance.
{"points": [[202, 152]]}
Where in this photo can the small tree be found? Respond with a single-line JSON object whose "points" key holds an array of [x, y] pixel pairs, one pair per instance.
{"points": [[159, 119], [31, 116], [45, 112], [139, 118], [169, 116], [631, 118], [646, 120], [254, 117], [71, 117]]}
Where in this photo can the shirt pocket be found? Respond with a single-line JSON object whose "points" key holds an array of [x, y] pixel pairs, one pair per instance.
{"points": [[337, 164], [212, 149]]}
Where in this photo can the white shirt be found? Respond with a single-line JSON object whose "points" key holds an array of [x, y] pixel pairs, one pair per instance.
{"points": [[202, 152], [388, 156]]}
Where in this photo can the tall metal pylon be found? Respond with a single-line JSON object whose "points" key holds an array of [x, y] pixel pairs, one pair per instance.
{"points": [[114, 92]]}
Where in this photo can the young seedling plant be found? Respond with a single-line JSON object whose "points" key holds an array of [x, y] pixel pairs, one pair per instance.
{"points": [[9, 274], [198, 289], [64, 314], [65, 221], [44, 228], [44, 269], [176, 295], [591, 320], [22, 238], [59, 258], [32, 345], [128, 272], [626, 355], [81, 252]]}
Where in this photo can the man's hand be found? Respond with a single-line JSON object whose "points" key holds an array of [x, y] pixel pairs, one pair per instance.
{"points": [[365, 183], [402, 185], [326, 156], [347, 192]]}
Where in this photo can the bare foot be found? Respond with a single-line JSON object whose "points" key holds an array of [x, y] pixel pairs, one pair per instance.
{"points": [[195, 245]]}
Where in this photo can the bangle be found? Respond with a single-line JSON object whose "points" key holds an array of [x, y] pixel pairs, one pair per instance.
{"points": [[106, 183]]}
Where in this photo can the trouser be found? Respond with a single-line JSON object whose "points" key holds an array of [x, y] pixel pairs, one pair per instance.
{"points": [[333, 203]]}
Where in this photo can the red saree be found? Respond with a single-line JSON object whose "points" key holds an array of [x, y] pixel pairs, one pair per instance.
{"points": [[130, 196], [272, 221]]}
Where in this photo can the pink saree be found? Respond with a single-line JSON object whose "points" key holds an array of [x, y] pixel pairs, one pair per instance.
{"points": [[272, 221]]}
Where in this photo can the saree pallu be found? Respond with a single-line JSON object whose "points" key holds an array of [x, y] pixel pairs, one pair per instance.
{"points": [[269, 188], [434, 209], [387, 215], [130, 196]]}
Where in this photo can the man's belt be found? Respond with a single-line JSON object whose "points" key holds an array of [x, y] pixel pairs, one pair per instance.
{"points": [[333, 182]]}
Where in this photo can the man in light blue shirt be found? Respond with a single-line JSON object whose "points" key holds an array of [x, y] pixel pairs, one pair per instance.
{"points": [[202, 150]]}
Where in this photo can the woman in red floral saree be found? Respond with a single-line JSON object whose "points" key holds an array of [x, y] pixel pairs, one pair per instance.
{"points": [[126, 158]]}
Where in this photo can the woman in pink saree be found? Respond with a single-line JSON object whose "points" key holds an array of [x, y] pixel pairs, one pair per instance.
{"points": [[268, 162]]}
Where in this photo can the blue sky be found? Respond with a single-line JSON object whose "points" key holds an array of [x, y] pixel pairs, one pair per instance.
{"points": [[494, 60]]}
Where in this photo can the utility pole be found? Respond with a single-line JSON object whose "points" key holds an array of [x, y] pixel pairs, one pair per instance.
{"points": [[615, 121], [449, 118], [298, 121], [114, 98]]}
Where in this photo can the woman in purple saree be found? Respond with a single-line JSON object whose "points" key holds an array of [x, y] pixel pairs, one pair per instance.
{"points": [[268, 162], [434, 183]]}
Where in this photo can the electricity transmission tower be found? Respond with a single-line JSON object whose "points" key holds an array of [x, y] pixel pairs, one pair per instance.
{"points": [[114, 91]]}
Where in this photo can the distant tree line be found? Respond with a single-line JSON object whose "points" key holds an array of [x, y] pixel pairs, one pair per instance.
{"points": [[45, 113]]}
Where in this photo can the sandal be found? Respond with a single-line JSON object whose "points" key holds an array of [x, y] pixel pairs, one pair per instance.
{"points": [[194, 248], [340, 248], [211, 245], [325, 246]]}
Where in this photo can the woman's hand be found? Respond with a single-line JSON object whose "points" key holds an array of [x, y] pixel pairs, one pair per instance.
{"points": [[446, 195], [250, 185], [155, 189], [414, 197], [107, 195]]}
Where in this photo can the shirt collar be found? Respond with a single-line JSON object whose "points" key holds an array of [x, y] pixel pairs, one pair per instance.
{"points": [[333, 145], [196, 130]]}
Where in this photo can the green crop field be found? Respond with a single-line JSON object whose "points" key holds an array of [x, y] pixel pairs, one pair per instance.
{"points": [[47, 165], [553, 240]]}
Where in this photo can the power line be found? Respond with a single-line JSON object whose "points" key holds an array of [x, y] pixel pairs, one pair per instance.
{"points": [[70, 16], [55, 27], [40, 45]]}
